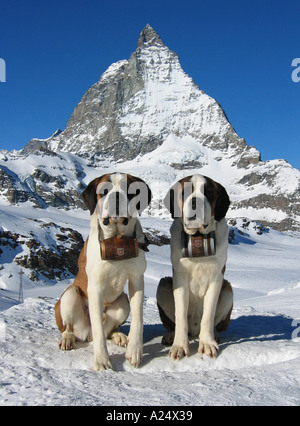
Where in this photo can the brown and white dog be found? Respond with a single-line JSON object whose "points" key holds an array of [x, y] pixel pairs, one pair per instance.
{"points": [[94, 306], [197, 301]]}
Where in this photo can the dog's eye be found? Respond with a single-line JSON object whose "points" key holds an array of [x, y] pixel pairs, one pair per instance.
{"points": [[104, 188], [104, 193]]}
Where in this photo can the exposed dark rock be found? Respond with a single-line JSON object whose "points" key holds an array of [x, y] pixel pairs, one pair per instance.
{"points": [[56, 262]]}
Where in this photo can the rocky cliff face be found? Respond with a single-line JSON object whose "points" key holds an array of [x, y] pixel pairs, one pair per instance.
{"points": [[44, 179], [57, 261]]}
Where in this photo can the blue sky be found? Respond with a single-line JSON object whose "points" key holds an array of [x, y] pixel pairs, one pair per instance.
{"points": [[238, 51]]}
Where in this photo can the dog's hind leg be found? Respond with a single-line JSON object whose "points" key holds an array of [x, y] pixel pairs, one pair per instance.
{"points": [[72, 318], [224, 307], [166, 308], [115, 314]]}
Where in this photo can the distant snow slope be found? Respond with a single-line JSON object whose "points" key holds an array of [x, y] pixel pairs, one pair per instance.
{"points": [[259, 361]]}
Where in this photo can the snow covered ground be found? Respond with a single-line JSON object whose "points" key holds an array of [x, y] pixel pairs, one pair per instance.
{"points": [[258, 364]]}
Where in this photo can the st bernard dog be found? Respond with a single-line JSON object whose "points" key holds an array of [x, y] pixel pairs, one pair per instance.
{"points": [[94, 306], [197, 301]]}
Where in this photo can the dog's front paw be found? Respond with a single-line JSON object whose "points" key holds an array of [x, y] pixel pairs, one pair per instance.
{"points": [[179, 352], [102, 363], [134, 355], [67, 341], [119, 338], [209, 348]]}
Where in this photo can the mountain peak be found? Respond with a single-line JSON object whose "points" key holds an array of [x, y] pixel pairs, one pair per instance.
{"points": [[149, 37]]}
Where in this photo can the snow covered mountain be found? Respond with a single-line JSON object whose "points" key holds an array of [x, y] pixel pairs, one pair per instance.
{"points": [[138, 103], [146, 115]]}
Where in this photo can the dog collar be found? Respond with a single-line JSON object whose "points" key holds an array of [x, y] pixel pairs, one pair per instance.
{"points": [[198, 245]]}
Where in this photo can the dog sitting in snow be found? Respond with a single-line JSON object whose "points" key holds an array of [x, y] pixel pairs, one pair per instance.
{"points": [[94, 306], [197, 301]]}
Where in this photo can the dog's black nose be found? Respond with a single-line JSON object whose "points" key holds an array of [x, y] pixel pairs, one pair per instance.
{"points": [[106, 221], [125, 221]]}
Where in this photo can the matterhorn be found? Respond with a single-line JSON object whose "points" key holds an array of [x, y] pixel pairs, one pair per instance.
{"points": [[146, 113]]}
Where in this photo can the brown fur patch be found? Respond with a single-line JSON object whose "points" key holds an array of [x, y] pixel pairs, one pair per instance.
{"points": [[89, 195], [58, 317], [80, 283]]}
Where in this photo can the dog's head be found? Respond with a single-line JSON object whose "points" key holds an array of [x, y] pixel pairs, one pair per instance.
{"points": [[116, 197], [199, 201]]}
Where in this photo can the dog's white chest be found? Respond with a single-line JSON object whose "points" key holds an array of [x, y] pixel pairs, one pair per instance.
{"points": [[114, 285], [200, 276]]}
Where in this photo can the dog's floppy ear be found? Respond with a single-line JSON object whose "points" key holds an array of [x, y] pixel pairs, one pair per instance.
{"points": [[89, 195], [139, 193], [173, 201], [222, 204]]}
